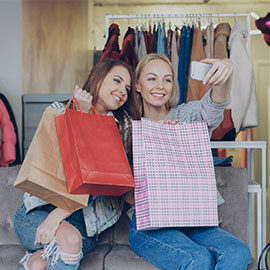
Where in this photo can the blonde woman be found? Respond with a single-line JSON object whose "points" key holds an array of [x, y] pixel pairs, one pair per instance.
{"points": [[156, 97]]}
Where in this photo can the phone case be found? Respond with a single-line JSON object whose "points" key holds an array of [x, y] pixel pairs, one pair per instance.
{"points": [[199, 70]]}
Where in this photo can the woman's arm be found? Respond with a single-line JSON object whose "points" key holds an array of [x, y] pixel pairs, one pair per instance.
{"points": [[47, 229], [220, 78]]}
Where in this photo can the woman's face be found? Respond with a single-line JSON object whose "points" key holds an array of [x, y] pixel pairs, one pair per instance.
{"points": [[114, 90], [155, 83]]}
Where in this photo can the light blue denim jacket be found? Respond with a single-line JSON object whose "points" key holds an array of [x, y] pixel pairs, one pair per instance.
{"points": [[100, 214]]}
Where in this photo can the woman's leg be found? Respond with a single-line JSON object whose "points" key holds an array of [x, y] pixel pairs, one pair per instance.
{"points": [[67, 247], [25, 226], [170, 249], [228, 251], [70, 244]]}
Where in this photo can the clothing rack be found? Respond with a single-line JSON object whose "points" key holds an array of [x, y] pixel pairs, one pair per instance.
{"points": [[249, 145], [109, 17]]}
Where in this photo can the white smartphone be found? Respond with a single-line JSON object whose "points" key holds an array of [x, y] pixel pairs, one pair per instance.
{"points": [[199, 70]]}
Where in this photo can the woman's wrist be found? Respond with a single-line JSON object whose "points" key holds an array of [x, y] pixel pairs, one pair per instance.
{"points": [[58, 215]]}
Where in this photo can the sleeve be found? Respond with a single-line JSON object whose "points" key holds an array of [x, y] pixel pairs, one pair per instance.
{"points": [[202, 110]]}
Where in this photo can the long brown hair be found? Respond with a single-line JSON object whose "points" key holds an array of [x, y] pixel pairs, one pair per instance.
{"points": [[136, 96], [96, 78]]}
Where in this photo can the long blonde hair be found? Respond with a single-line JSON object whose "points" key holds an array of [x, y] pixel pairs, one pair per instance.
{"points": [[136, 96]]}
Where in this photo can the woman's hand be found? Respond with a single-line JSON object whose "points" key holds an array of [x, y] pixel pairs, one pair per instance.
{"points": [[84, 99], [47, 229], [129, 197], [219, 73], [171, 122], [220, 78]]}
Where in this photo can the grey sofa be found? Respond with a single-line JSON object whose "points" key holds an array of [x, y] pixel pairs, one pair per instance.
{"points": [[113, 251]]}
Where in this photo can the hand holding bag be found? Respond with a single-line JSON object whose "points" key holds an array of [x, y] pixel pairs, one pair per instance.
{"points": [[93, 154]]}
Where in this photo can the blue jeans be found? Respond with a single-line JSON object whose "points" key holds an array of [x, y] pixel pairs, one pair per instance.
{"points": [[25, 226], [198, 248]]}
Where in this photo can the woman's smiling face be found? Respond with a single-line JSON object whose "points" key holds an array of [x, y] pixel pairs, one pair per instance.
{"points": [[114, 90], [155, 83]]}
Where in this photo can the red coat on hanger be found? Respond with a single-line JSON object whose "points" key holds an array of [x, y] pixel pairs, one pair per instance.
{"points": [[128, 53], [111, 49]]}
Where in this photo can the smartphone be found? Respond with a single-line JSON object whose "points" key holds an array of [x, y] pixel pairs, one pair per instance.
{"points": [[199, 70]]}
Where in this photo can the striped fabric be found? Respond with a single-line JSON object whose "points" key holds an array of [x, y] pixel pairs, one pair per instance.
{"points": [[174, 175]]}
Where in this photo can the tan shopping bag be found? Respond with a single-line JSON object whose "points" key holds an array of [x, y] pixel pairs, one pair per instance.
{"points": [[42, 173]]}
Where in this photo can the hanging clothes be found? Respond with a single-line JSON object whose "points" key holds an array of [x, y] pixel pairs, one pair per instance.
{"points": [[222, 33], [162, 46], [169, 41], [174, 53], [128, 53], [154, 39], [8, 145], [188, 48], [140, 47], [196, 89], [12, 118], [150, 40], [145, 34], [111, 49], [209, 46], [244, 103], [181, 68]]}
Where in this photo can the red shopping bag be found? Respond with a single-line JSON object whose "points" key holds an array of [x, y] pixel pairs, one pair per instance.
{"points": [[93, 154]]}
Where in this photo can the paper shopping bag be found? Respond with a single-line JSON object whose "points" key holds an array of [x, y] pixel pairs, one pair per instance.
{"points": [[174, 175], [93, 154], [42, 173]]}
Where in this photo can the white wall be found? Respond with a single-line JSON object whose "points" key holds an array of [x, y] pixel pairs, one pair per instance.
{"points": [[11, 56]]}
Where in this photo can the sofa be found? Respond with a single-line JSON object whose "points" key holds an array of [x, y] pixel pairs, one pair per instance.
{"points": [[113, 251]]}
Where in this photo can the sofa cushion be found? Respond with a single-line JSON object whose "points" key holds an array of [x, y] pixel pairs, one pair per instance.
{"points": [[232, 183], [95, 260], [10, 255], [10, 200], [121, 257]]}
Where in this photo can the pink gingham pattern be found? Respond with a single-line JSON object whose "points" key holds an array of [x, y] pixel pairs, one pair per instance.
{"points": [[174, 175]]}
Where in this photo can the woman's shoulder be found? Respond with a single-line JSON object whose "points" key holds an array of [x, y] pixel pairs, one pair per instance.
{"points": [[58, 106]]}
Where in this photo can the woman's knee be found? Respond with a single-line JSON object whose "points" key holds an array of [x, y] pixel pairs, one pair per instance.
{"points": [[69, 238], [238, 255], [34, 261], [201, 259], [38, 264]]}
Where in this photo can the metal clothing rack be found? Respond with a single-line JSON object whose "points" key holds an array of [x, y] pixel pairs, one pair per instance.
{"points": [[249, 145], [109, 17]]}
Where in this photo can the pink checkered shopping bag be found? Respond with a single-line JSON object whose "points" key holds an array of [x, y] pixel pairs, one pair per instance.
{"points": [[174, 175]]}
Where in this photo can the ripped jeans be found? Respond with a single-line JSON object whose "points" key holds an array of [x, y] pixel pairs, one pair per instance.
{"points": [[25, 226]]}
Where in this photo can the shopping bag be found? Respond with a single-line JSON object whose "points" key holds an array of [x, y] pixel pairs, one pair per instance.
{"points": [[93, 154], [174, 175], [42, 173]]}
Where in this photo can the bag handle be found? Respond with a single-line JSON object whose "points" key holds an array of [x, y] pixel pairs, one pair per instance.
{"points": [[93, 109]]}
